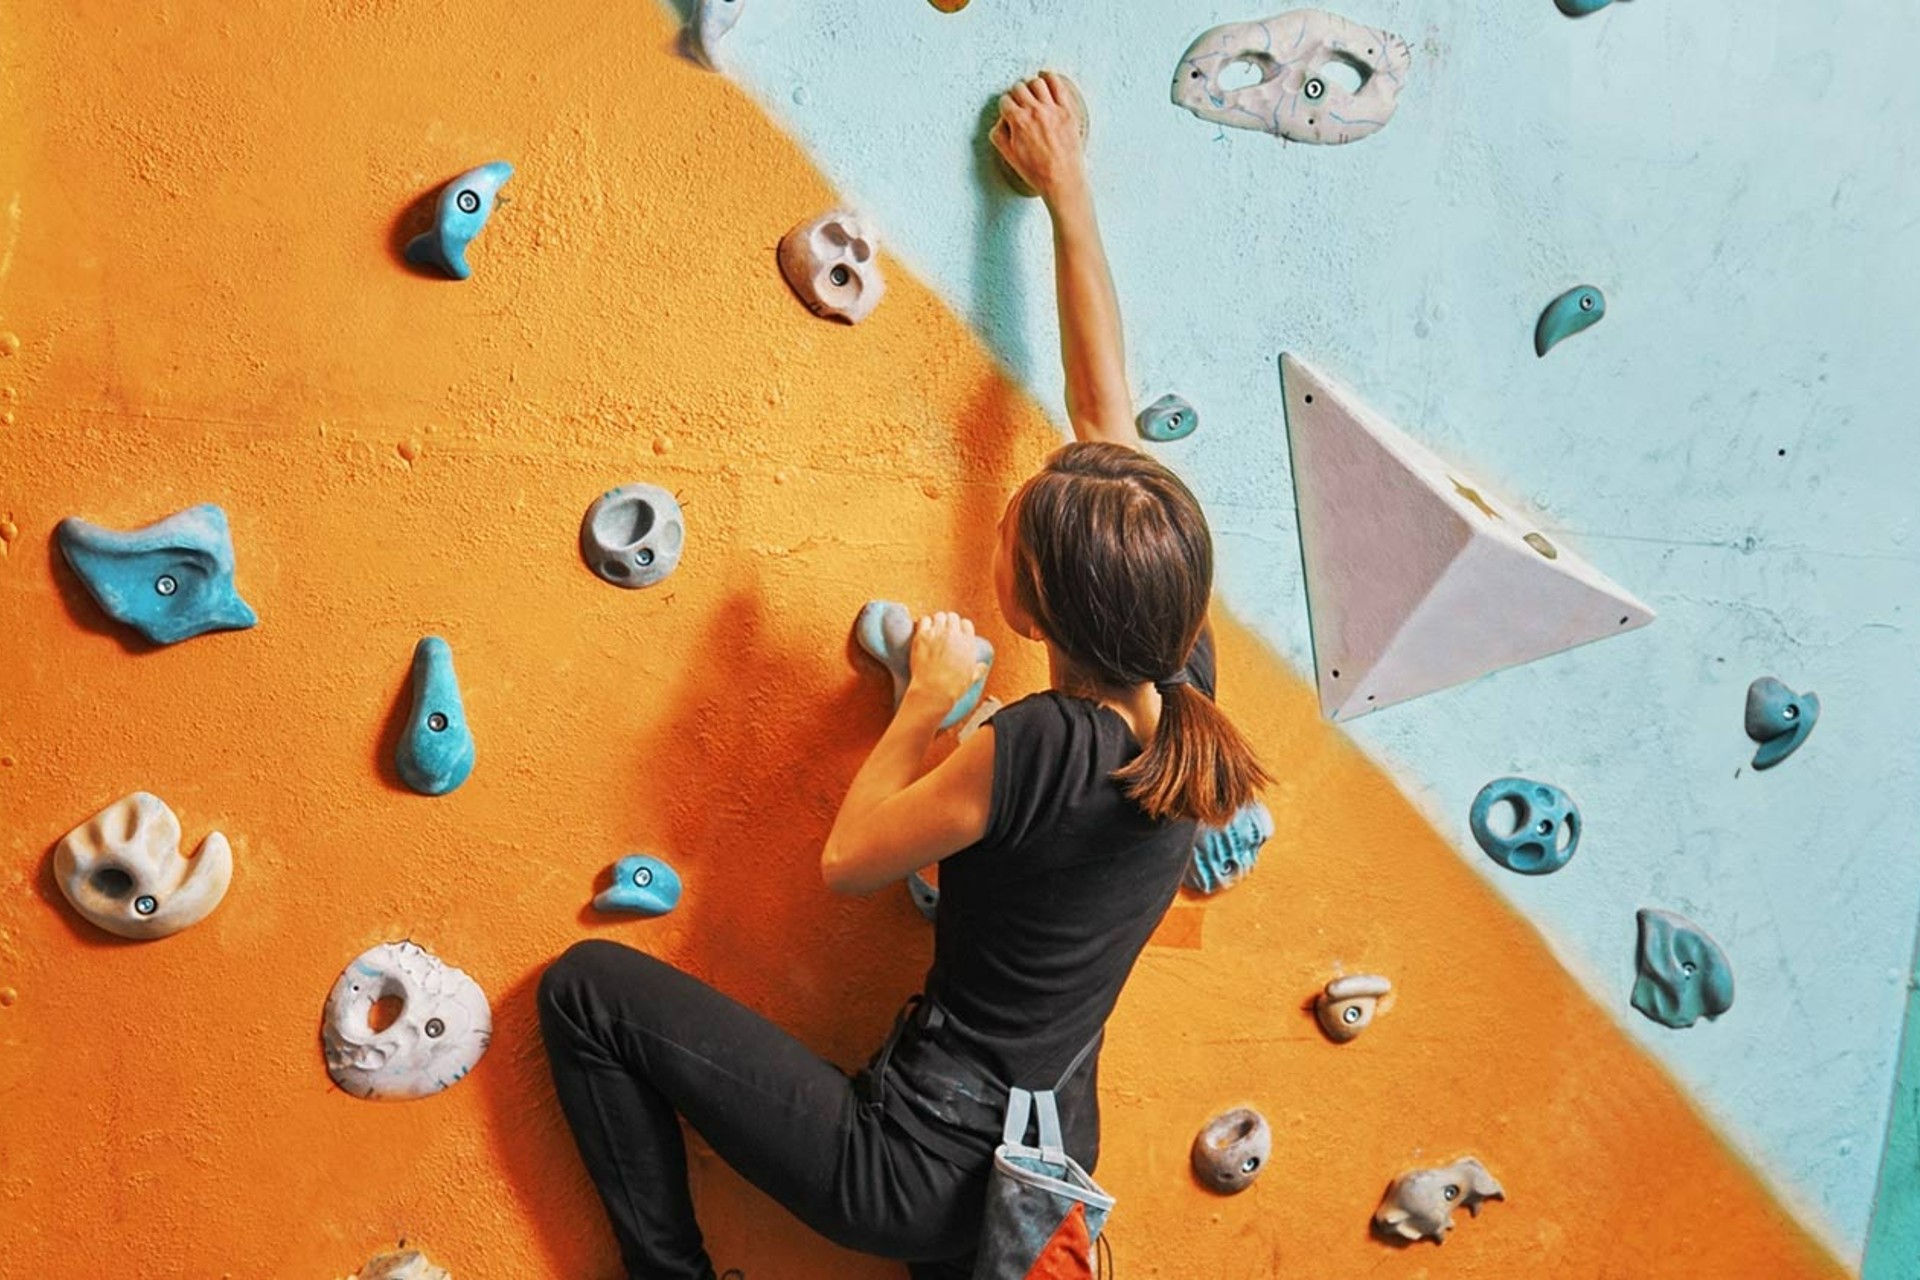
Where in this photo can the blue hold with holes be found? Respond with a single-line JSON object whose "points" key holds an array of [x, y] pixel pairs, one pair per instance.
{"points": [[642, 884], [463, 209], [170, 581], [1168, 418], [436, 750], [1546, 828], [1222, 856]]}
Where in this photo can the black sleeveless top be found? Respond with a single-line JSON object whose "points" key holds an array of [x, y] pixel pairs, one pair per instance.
{"points": [[1039, 925]]}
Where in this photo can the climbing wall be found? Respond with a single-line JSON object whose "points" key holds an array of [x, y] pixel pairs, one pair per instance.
{"points": [[204, 298]]}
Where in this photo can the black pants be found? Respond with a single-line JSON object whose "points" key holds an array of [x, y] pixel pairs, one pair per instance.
{"points": [[634, 1043]]}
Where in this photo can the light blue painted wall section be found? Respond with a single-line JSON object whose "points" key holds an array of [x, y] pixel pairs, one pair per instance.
{"points": [[1738, 178]]}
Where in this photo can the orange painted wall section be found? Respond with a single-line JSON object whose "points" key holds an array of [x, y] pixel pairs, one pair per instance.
{"points": [[200, 208]]}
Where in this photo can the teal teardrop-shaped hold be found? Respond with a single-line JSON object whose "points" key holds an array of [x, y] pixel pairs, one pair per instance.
{"points": [[436, 750], [1578, 309], [1581, 8], [464, 206]]}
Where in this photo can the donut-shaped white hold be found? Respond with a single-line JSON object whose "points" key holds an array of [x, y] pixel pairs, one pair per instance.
{"points": [[439, 1033]]}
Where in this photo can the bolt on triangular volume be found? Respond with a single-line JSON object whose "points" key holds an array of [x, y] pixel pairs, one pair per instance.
{"points": [[1418, 577]]}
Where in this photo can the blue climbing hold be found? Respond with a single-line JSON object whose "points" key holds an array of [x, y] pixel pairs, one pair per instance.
{"points": [[464, 207], [1684, 975], [1576, 309], [1581, 8], [1223, 855], [642, 884], [170, 581], [925, 894], [1546, 827], [885, 630], [436, 750], [1778, 719], [1168, 418]]}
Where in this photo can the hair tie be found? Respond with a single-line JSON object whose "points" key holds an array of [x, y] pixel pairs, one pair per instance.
{"points": [[1173, 681]]}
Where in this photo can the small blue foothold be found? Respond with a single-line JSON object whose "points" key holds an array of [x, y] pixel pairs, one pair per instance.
{"points": [[1168, 418], [464, 207], [925, 894], [170, 581], [1578, 308], [885, 630], [1581, 8], [1684, 975], [712, 19], [436, 750], [1546, 827], [642, 884], [1223, 855], [1778, 719]]}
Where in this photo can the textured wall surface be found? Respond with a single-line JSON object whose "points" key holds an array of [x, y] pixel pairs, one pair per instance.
{"points": [[1733, 443], [198, 237]]}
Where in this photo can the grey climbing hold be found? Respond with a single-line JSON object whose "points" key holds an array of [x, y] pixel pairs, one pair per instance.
{"points": [[1349, 1005], [632, 535], [1419, 1204], [1229, 1153], [1778, 719], [712, 19]]}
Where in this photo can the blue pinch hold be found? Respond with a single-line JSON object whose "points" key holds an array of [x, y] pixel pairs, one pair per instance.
{"points": [[1168, 418], [463, 209], [1580, 307], [170, 581], [436, 750], [1778, 719], [885, 630], [1581, 8], [1222, 856], [1684, 975], [1546, 827], [642, 884]]}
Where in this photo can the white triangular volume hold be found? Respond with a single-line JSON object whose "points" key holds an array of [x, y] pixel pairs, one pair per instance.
{"points": [[1417, 577]]}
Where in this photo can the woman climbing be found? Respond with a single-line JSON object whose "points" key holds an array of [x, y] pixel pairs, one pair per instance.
{"points": [[1061, 827]]}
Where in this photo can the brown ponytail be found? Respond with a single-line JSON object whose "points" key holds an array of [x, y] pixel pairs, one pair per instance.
{"points": [[1114, 562]]}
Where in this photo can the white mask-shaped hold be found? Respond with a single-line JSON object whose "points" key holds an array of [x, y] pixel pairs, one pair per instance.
{"points": [[831, 262], [1306, 75], [123, 871], [406, 1264], [441, 1029]]}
